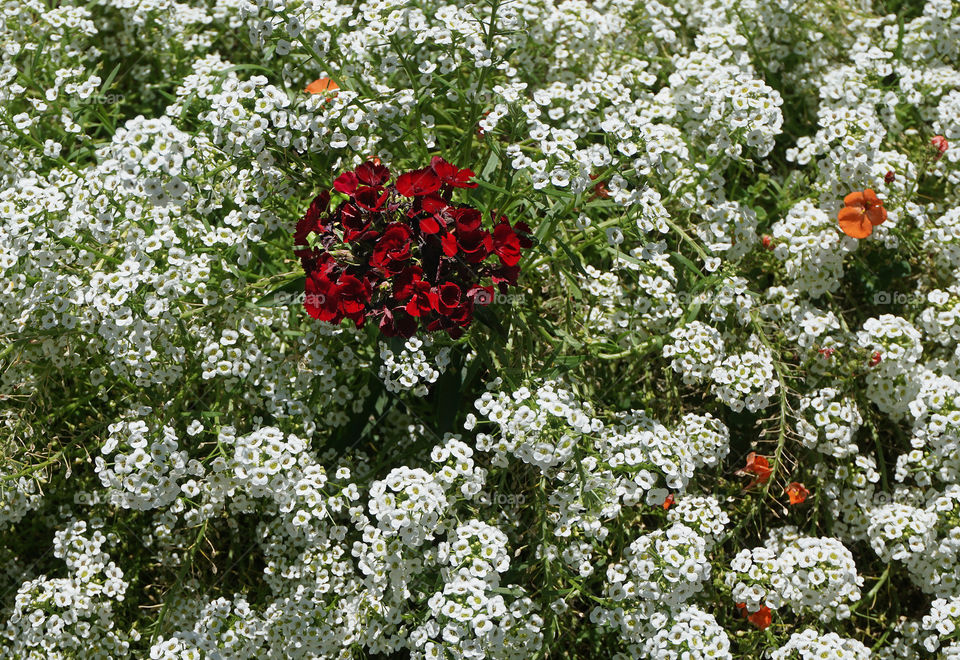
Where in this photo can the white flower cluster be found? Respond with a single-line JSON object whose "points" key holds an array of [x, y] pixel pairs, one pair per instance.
{"points": [[811, 576], [692, 634], [810, 644], [936, 435], [539, 427], [696, 350], [892, 383], [940, 319], [146, 466], [467, 608], [830, 423], [638, 295], [653, 457], [661, 571], [19, 495], [724, 106], [701, 514], [812, 248], [73, 615], [940, 634], [740, 380], [746, 380], [411, 369]]}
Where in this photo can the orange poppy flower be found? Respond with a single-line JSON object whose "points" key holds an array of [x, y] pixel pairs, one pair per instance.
{"points": [[759, 467], [321, 85], [797, 492], [761, 618], [940, 144], [860, 213]]}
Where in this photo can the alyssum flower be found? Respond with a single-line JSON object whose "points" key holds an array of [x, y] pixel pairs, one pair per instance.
{"points": [[404, 253]]}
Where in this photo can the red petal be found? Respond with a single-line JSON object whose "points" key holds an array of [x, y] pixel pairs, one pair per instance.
{"points": [[418, 182], [346, 183], [429, 225]]}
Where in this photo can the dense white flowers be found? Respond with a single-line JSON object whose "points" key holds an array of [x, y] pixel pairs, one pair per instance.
{"points": [[816, 577], [811, 645], [411, 369], [192, 467]]}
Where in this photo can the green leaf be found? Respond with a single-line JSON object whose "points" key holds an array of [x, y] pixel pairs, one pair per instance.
{"points": [[491, 166], [689, 265], [285, 294]]}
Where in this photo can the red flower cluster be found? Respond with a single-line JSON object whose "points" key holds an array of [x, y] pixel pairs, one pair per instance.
{"points": [[761, 619], [404, 253], [759, 467]]}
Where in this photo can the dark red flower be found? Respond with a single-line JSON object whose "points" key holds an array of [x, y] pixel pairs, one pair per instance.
{"points": [[404, 253], [372, 173], [346, 183], [432, 204], [352, 294], [506, 243], [524, 234], [475, 245], [310, 223], [356, 223], [505, 276], [392, 250], [448, 298], [371, 198], [404, 281], [466, 219], [423, 300], [481, 295], [321, 298], [451, 175], [429, 225], [418, 182], [449, 244], [397, 323]]}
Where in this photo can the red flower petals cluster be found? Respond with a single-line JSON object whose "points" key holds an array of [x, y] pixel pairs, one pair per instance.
{"points": [[797, 492], [403, 253], [761, 619], [759, 467]]}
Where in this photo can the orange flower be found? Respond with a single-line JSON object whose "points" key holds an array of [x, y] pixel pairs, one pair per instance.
{"points": [[667, 503], [761, 618], [940, 144], [758, 466], [797, 492], [321, 85], [860, 213]]}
